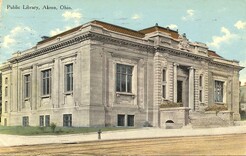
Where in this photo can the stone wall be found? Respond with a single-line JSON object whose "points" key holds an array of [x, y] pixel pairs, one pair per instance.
{"points": [[178, 115]]}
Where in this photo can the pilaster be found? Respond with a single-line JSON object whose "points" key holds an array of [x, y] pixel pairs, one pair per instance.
{"points": [[205, 86], [56, 88], [157, 87], [196, 91], [34, 84], [191, 88], [175, 76], [235, 97], [171, 77], [76, 79]]}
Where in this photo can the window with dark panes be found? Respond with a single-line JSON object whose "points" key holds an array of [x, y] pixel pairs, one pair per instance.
{"points": [[130, 120], [41, 121], [124, 78], [46, 82], [47, 120], [164, 83], [27, 85], [121, 120], [201, 88], [218, 91], [69, 77], [200, 81], [200, 95], [67, 120], [25, 121]]}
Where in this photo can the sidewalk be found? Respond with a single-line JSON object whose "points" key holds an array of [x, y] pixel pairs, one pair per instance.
{"points": [[15, 140]]}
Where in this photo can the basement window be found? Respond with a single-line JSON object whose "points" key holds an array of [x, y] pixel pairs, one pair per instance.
{"points": [[121, 120]]}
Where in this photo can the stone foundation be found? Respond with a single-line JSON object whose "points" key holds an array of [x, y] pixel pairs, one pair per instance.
{"points": [[176, 117]]}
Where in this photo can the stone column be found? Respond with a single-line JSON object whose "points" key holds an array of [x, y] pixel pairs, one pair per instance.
{"points": [[191, 88], [175, 75]]}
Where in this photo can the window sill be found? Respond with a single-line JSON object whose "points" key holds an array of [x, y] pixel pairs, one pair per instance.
{"points": [[164, 99], [125, 94], [219, 103], [68, 93], [26, 99], [45, 96]]}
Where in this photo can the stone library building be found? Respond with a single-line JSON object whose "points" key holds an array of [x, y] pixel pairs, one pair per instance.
{"points": [[99, 74]]}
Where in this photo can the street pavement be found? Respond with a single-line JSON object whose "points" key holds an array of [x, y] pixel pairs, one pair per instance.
{"points": [[17, 140]]}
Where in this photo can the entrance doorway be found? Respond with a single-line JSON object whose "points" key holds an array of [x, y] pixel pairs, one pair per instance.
{"points": [[179, 91]]}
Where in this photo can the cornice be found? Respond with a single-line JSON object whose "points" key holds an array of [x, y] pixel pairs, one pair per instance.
{"points": [[178, 52], [223, 65], [51, 48], [5, 68], [181, 53], [147, 47], [121, 42]]}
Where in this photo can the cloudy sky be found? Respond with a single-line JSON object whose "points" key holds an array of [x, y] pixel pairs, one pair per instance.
{"points": [[221, 24]]}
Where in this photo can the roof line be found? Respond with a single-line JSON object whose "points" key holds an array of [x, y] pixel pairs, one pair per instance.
{"points": [[117, 26], [159, 27]]}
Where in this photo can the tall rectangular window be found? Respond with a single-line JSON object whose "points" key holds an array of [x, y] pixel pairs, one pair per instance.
{"points": [[164, 91], [46, 82], [124, 78], [69, 77], [218, 91], [200, 88], [27, 85], [164, 75], [164, 83], [200, 81], [25, 121], [200, 95], [41, 121], [67, 120], [47, 120]]}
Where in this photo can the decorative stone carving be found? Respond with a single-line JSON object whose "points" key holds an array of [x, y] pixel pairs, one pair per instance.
{"points": [[184, 42]]}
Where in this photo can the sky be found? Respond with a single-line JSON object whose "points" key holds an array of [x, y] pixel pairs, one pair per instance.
{"points": [[221, 24]]}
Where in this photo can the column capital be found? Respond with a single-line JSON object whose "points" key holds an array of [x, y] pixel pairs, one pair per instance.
{"points": [[175, 64], [191, 68]]}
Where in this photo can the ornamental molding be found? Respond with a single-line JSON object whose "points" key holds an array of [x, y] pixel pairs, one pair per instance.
{"points": [[223, 65], [122, 42], [184, 43], [181, 53], [186, 54], [147, 47], [6, 68], [125, 58], [51, 48]]}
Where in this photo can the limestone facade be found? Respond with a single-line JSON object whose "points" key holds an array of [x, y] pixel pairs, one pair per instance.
{"points": [[119, 77]]}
